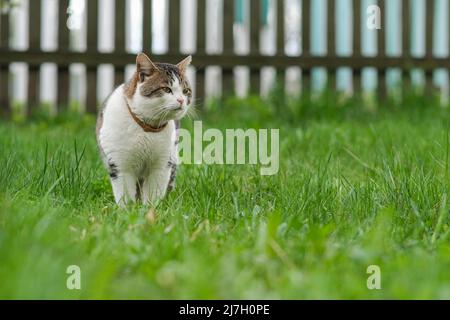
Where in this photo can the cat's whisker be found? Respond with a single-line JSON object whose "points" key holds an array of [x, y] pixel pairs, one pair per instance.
{"points": [[163, 117], [159, 112], [192, 113], [194, 109]]}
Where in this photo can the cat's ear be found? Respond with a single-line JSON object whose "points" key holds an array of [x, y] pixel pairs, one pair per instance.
{"points": [[144, 66], [184, 64]]}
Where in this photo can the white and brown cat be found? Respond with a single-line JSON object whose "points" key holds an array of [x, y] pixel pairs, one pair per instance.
{"points": [[137, 130]]}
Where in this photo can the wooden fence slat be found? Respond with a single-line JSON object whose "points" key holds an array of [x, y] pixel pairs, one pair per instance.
{"points": [[306, 25], [147, 25], [34, 29], [119, 76], [255, 25], [63, 47], [34, 26], [255, 28], [429, 28], [205, 60], [306, 80], [33, 89], [174, 25], [306, 43], [91, 94], [331, 41], [280, 28], [381, 39], [4, 29], [199, 93], [281, 72], [120, 16], [5, 106], [406, 41], [92, 28], [63, 88], [201, 48], [429, 14], [406, 28], [92, 46], [357, 27], [119, 46], [356, 44], [228, 46], [331, 27], [201, 29], [255, 81]]}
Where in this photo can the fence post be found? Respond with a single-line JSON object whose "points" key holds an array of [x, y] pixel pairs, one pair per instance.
{"points": [[119, 45], [382, 90], [331, 42], [5, 107], [306, 23], [63, 46], [281, 72], [34, 28], [406, 43], [429, 14], [228, 46], [201, 47], [356, 45], [255, 28], [92, 46], [147, 25], [174, 26]]}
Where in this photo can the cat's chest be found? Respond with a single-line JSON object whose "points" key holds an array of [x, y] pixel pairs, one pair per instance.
{"points": [[148, 147], [149, 144]]}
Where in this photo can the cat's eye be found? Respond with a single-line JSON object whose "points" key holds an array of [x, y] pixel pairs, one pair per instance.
{"points": [[167, 90], [187, 91]]}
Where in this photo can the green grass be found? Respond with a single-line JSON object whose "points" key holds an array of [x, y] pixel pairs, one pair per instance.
{"points": [[357, 186]]}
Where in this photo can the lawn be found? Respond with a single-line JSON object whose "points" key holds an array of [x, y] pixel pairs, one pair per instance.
{"points": [[358, 185]]}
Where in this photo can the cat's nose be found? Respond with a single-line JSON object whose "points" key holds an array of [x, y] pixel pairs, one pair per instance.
{"points": [[180, 101]]}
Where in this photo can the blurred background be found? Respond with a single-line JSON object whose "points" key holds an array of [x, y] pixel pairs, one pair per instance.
{"points": [[131, 26]]}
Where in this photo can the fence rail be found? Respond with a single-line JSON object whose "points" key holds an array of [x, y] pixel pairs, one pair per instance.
{"points": [[63, 57]]}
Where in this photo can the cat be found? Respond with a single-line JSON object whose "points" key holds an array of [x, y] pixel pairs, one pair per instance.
{"points": [[137, 130]]}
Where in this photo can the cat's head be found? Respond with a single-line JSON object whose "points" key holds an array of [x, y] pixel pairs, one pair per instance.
{"points": [[159, 92]]}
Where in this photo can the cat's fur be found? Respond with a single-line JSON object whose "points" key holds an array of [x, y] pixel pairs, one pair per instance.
{"points": [[137, 130]]}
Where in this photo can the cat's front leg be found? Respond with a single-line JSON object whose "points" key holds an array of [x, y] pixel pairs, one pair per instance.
{"points": [[124, 188], [155, 185]]}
